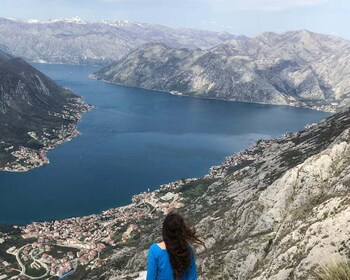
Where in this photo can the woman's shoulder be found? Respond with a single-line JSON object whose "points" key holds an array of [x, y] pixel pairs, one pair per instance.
{"points": [[156, 251], [155, 247]]}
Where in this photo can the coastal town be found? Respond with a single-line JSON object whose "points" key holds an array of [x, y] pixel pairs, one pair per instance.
{"points": [[26, 158], [244, 157], [57, 248], [60, 246]]}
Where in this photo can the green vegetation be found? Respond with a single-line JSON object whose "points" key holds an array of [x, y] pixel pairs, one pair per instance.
{"points": [[118, 237], [237, 167], [5, 157], [107, 252], [195, 189], [34, 144], [35, 272], [268, 246], [60, 251], [150, 206], [292, 157], [34, 116], [133, 238], [14, 240], [337, 271]]}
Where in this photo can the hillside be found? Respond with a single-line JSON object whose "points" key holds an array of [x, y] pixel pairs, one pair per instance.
{"points": [[278, 210], [280, 217], [35, 114], [298, 68], [74, 41]]}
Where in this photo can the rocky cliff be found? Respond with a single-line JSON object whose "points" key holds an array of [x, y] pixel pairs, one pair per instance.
{"points": [[74, 41], [35, 113], [298, 68], [280, 216]]}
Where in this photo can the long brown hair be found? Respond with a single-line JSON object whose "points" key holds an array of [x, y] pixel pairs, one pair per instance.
{"points": [[177, 236]]}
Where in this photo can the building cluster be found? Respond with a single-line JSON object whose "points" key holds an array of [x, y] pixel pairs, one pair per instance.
{"points": [[63, 134], [63, 245], [175, 185], [163, 199], [311, 125], [250, 154], [84, 238], [73, 111], [331, 108], [26, 158]]}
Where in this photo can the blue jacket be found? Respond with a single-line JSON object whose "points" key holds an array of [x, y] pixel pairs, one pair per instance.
{"points": [[159, 267]]}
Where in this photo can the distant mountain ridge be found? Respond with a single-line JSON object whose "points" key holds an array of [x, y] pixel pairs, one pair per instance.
{"points": [[298, 68], [75, 41], [35, 114]]}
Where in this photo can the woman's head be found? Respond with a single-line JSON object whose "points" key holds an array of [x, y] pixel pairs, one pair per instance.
{"points": [[177, 235]]}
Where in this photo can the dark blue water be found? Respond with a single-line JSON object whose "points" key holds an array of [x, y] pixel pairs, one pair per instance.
{"points": [[135, 139]]}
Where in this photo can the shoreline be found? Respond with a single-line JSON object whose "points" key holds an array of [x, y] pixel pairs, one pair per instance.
{"points": [[331, 110], [91, 239], [237, 160], [27, 159]]}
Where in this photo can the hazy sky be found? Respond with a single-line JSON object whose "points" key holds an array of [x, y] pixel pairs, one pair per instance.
{"points": [[248, 17]]}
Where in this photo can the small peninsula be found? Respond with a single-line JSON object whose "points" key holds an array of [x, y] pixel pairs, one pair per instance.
{"points": [[36, 114]]}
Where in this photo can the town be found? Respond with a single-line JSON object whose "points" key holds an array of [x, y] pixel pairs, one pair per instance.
{"points": [[26, 158], [244, 157], [57, 248]]}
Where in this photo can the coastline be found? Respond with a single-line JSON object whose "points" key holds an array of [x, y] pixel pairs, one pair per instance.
{"points": [[324, 108], [27, 159], [90, 240]]}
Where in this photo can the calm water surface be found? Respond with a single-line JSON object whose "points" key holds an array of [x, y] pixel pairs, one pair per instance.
{"points": [[135, 139]]}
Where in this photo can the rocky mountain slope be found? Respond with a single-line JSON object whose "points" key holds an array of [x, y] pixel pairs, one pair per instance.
{"points": [[280, 216], [35, 113], [74, 41], [298, 68]]}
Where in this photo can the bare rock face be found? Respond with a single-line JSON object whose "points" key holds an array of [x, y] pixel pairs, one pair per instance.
{"points": [[281, 217], [298, 68], [74, 41]]}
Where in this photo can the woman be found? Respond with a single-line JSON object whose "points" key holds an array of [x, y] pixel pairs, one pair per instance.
{"points": [[174, 257]]}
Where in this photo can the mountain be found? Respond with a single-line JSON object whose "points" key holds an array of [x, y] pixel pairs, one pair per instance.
{"points": [[278, 210], [279, 216], [298, 68], [35, 114], [74, 41]]}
